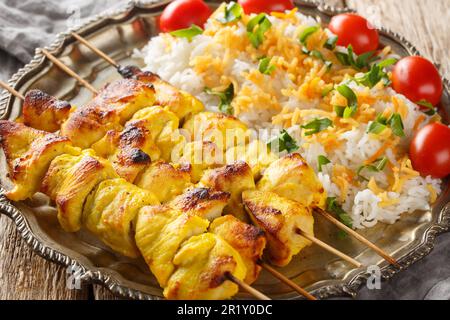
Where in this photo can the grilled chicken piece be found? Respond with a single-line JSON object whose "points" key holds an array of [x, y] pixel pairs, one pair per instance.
{"points": [[160, 231], [109, 110], [202, 202], [223, 130], [110, 211], [279, 218], [179, 102], [28, 153], [44, 112], [163, 126], [203, 263], [292, 178], [70, 179], [234, 179], [201, 155], [129, 151], [256, 154], [165, 180], [245, 238]]}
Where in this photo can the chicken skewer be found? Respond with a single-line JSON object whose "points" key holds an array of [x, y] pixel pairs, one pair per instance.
{"points": [[290, 283], [328, 248], [68, 176], [320, 211]]}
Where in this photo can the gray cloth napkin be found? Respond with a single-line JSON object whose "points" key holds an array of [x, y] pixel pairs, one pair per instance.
{"points": [[25, 25]]}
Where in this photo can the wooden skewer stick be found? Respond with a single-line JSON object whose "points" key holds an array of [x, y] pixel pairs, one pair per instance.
{"points": [[329, 248], [257, 294], [93, 48], [100, 53], [11, 90], [69, 71], [359, 237], [287, 281]]}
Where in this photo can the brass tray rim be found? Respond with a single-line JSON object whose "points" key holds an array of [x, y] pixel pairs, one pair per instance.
{"points": [[92, 274]]}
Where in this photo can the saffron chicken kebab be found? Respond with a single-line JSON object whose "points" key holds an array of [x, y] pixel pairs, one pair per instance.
{"points": [[88, 191], [212, 177]]}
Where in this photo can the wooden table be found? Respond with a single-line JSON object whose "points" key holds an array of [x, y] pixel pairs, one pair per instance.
{"points": [[24, 275]]}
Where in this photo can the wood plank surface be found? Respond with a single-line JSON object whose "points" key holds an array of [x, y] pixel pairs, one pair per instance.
{"points": [[24, 275]]}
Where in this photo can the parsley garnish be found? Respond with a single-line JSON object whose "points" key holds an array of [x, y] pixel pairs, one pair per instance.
{"points": [[430, 110], [256, 28], [377, 166], [322, 160], [331, 43], [334, 207], [376, 127], [233, 12], [265, 67], [396, 124], [376, 74], [316, 126], [352, 102], [328, 88], [307, 33], [225, 97], [361, 62], [284, 142], [188, 33]]}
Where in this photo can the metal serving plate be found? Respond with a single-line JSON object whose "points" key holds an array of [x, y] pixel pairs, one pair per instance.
{"points": [[117, 34]]}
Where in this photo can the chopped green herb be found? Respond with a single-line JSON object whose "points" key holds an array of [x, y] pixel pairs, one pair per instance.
{"points": [[364, 60], [316, 126], [317, 54], [361, 62], [376, 74], [376, 127], [430, 110], [387, 62], [396, 124], [265, 67], [322, 160], [350, 111], [330, 44], [343, 58], [339, 111], [348, 94], [233, 12], [352, 102], [257, 27], [334, 207], [225, 97], [284, 142], [328, 88], [377, 166], [307, 33], [188, 33]]}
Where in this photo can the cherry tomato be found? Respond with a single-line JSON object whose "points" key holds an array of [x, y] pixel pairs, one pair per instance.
{"points": [[430, 151], [267, 6], [417, 79], [181, 14], [354, 30]]}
